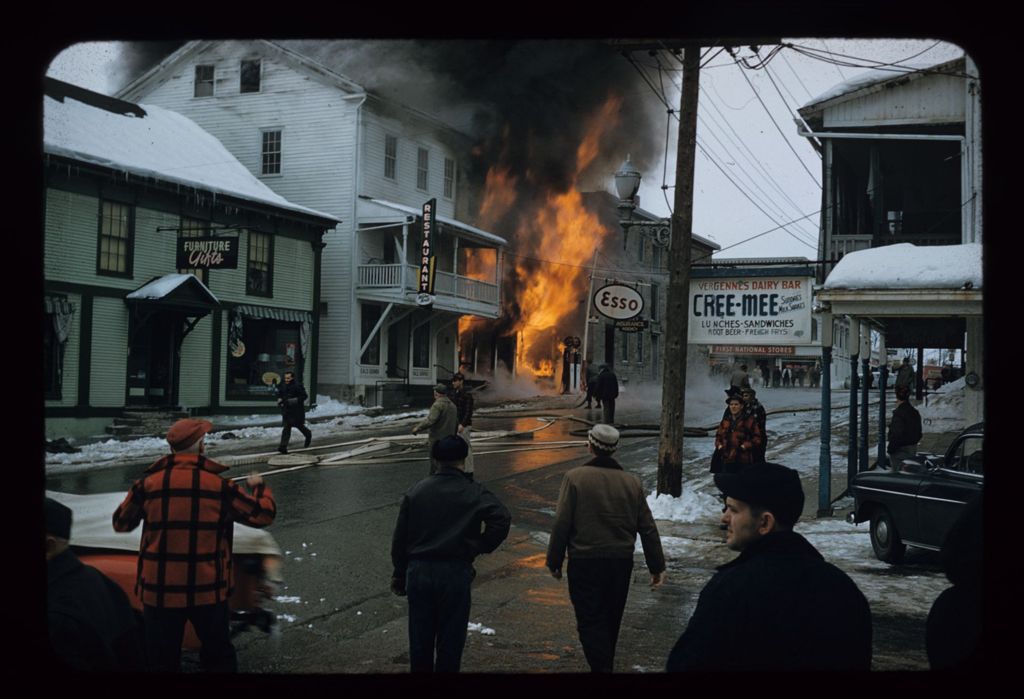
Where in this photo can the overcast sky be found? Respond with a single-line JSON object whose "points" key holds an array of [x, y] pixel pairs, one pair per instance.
{"points": [[753, 172]]}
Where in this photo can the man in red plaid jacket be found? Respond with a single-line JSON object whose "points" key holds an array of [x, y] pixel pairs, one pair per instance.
{"points": [[188, 514]]}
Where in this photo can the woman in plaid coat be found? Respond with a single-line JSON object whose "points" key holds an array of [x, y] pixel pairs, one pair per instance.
{"points": [[188, 513]]}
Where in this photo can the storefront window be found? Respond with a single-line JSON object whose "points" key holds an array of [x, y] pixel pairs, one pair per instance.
{"points": [[261, 353], [370, 315], [421, 346]]}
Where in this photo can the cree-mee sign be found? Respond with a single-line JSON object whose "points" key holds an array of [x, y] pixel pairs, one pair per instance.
{"points": [[753, 310], [618, 302]]}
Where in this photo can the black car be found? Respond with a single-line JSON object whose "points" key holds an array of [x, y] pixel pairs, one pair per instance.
{"points": [[916, 502]]}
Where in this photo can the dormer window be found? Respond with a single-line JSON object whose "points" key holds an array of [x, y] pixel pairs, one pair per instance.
{"points": [[203, 86], [250, 76]]}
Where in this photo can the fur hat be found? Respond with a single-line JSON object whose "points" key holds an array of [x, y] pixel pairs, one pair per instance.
{"points": [[604, 437], [450, 448], [58, 519], [184, 433], [441, 388], [773, 487], [733, 393]]}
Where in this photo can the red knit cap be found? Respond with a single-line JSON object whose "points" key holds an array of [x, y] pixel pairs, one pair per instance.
{"points": [[184, 433]]}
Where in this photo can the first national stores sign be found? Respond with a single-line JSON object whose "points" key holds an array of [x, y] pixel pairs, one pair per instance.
{"points": [[207, 253]]}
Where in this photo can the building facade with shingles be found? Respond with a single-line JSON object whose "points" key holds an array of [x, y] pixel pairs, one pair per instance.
{"points": [[125, 326], [319, 138]]}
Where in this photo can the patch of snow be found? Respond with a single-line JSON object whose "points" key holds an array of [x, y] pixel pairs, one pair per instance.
{"points": [[690, 506], [480, 628], [288, 599], [290, 618]]}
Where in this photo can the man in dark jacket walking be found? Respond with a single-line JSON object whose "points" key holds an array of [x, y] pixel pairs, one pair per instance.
{"points": [[185, 569], [904, 429], [779, 605], [606, 390], [436, 538], [92, 626], [291, 398], [600, 511]]}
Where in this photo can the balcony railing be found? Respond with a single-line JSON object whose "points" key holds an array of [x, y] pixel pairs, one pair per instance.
{"points": [[445, 283]]}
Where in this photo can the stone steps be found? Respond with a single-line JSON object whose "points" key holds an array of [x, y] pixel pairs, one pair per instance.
{"points": [[143, 422]]}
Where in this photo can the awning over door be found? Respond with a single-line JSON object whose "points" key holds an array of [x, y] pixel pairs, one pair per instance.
{"points": [[183, 293]]}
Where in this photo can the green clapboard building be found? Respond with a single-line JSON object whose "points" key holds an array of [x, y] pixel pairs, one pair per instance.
{"points": [[174, 279]]}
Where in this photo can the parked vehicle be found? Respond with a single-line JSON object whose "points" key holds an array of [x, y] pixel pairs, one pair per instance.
{"points": [[256, 558], [915, 503]]}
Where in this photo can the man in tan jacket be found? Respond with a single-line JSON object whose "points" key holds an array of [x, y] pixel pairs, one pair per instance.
{"points": [[442, 421], [601, 509]]}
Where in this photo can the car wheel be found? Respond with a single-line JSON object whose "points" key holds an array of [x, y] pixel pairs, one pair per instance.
{"points": [[885, 537]]}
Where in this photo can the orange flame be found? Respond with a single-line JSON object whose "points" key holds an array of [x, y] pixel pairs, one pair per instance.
{"points": [[562, 233]]}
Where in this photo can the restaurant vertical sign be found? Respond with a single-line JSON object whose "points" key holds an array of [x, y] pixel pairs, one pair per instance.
{"points": [[425, 297]]}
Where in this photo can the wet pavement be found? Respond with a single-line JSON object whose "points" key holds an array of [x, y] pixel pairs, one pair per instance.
{"points": [[336, 613]]}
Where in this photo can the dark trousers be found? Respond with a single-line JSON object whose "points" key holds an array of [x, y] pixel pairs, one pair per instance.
{"points": [[598, 589], [165, 629], [286, 431], [439, 600], [608, 411]]}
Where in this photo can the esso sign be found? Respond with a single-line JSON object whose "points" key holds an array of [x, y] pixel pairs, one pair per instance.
{"points": [[618, 302]]}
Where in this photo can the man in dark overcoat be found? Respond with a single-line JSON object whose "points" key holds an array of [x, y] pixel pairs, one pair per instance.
{"points": [[606, 390], [779, 605], [291, 398], [904, 429]]}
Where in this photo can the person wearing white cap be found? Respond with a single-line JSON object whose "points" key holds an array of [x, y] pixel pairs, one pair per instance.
{"points": [[601, 509]]}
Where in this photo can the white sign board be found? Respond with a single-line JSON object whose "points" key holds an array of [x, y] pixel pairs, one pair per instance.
{"points": [[750, 311], [618, 302]]}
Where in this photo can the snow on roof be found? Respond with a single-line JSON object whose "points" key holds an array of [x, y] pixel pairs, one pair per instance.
{"points": [[160, 287], [907, 266], [163, 144], [871, 77], [482, 234]]}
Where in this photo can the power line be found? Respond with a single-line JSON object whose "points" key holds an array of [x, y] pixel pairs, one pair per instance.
{"points": [[798, 78], [753, 158], [794, 111], [768, 112]]}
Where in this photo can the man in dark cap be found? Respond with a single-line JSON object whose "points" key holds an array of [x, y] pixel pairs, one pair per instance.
{"points": [[905, 375], [188, 513], [92, 625], [904, 429], [442, 421], [436, 539], [779, 605], [601, 509], [753, 407], [291, 398]]}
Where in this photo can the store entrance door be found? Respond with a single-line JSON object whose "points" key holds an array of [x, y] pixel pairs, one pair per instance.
{"points": [[153, 359]]}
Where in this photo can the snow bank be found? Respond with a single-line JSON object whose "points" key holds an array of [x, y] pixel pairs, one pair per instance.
{"points": [[691, 506]]}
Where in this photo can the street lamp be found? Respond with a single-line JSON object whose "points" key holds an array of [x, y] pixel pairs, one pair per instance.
{"points": [[627, 182]]}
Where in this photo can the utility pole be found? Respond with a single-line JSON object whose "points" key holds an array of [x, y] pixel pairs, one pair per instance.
{"points": [[673, 397]]}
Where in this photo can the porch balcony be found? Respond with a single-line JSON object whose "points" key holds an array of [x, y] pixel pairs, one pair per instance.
{"points": [[385, 282]]}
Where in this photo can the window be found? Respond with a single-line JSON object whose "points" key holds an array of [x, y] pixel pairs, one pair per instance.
{"points": [[271, 153], [968, 457], [422, 162], [194, 228], [369, 317], [421, 346], [624, 346], [640, 348], [259, 278], [390, 156], [266, 346], [115, 240], [53, 360], [449, 178], [203, 85], [655, 299], [249, 80]]}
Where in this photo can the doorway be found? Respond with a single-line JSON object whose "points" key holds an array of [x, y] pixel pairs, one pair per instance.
{"points": [[153, 342]]}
